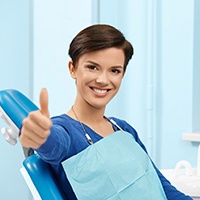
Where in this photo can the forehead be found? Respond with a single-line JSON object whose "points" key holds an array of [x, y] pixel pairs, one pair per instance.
{"points": [[110, 56]]}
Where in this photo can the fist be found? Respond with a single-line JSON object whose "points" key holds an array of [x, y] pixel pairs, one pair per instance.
{"points": [[36, 127]]}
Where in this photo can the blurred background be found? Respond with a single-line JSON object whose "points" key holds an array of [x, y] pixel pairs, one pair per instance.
{"points": [[160, 93]]}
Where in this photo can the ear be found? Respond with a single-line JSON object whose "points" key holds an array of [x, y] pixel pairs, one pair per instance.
{"points": [[72, 69]]}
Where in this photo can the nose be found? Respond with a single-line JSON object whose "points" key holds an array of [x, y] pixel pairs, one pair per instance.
{"points": [[102, 79]]}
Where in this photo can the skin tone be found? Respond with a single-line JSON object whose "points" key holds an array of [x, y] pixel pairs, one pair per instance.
{"points": [[98, 77]]}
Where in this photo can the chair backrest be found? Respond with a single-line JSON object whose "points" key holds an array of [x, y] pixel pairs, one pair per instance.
{"points": [[14, 107]]}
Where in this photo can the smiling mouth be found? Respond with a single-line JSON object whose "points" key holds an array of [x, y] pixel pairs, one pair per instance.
{"points": [[100, 91]]}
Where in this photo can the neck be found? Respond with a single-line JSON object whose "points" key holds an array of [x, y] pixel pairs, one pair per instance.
{"points": [[87, 114], [92, 117]]}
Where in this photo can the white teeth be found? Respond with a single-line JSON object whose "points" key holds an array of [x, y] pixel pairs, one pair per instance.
{"points": [[100, 91]]}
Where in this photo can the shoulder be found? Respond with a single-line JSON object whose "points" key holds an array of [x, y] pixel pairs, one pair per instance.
{"points": [[65, 125], [64, 121], [61, 118], [125, 126]]}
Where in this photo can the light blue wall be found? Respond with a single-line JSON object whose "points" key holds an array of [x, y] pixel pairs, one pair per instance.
{"points": [[15, 73], [160, 93], [176, 88], [196, 71], [53, 32]]}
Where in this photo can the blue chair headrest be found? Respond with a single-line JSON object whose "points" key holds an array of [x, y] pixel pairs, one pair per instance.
{"points": [[16, 105]]}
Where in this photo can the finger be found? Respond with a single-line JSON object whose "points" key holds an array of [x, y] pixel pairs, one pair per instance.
{"points": [[31, 142], [44, 102], [43, 131], [37, 119]]}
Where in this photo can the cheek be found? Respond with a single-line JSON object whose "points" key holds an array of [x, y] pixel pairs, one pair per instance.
{"points": [[87, 77], [82, 80], [118, 81]]}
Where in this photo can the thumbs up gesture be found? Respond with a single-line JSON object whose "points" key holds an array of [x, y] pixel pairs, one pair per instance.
{"points": [[36, 127]]}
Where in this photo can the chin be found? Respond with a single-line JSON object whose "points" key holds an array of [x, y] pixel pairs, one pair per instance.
{"points": [[99, 103], [98, 106]]}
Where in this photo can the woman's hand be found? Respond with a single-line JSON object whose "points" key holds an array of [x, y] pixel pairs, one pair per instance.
{"points": [[36, 127]]}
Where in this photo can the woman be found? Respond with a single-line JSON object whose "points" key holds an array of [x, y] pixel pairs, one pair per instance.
{"points": [[95, 157]]}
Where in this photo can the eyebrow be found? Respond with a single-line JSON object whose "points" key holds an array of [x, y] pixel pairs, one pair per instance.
{"points": [[94, 63]]}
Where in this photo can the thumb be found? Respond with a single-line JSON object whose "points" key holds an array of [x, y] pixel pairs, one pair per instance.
{"points": [[44, 102]]}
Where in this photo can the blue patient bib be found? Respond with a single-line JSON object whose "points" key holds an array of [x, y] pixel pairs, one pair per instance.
{"points": [[114, 168]]}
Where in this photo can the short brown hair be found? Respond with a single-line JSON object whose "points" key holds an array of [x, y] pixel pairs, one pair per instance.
{"points": [[97, 37]]}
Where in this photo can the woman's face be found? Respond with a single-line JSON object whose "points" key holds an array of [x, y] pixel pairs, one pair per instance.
{"points": [[98, 76]]}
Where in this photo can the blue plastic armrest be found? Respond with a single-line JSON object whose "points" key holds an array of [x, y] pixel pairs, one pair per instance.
{"points": [[43, 178]]}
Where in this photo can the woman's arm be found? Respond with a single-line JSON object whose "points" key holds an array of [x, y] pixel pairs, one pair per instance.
{"points": [[57, 146], [171, 192]]}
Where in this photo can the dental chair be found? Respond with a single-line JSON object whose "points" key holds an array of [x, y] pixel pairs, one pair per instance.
{"points": [[14, 107]]}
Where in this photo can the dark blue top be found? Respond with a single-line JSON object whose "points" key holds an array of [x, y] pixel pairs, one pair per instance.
{"points": [[67, 139]]}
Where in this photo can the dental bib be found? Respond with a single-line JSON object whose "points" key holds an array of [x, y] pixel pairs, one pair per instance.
{"points": [[114, 168]]}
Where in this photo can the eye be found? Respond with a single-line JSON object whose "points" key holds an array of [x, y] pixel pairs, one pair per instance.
{"points": [[116, 71], [92, 67]]}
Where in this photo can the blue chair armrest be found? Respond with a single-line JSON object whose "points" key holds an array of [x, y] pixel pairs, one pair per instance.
{"points": [[42, 177]]}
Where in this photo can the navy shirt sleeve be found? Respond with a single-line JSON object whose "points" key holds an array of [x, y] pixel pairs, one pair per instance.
{"points": [[56, 147]]}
